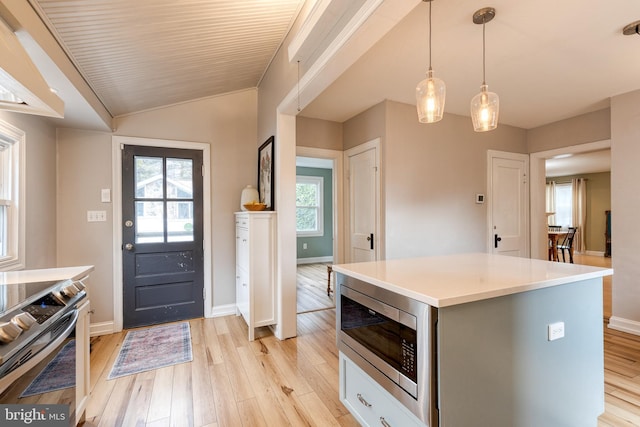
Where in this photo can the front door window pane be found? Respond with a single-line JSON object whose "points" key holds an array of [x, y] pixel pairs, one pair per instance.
{"points": [[180, 221], [149, 222], [179, 178], [149, 178]]}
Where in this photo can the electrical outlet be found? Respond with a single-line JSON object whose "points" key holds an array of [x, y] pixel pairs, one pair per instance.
{"points": [[556, 331], [304, 246]]}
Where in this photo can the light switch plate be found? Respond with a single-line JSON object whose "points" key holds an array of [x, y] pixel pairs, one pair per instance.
{"points": [[105, 195]]}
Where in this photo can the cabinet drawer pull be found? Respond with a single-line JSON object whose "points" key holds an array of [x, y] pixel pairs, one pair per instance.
{"points": [[384, 422], [364, 402]]}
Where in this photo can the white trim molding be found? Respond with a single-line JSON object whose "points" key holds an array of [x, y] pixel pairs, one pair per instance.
{"points": [[624, 325], [223, 310], [314, 260], [101, 328]]}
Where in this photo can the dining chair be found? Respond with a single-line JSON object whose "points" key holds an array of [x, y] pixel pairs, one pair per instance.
{"points": [[567, 243]]}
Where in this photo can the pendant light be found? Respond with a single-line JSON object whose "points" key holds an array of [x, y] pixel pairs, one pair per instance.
{"points": [[430, 92], [485, 105]]}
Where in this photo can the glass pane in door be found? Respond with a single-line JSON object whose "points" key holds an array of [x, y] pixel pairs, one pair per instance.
{"points": [[149, 222], [149, 178], [180, 221], [179, 178]]}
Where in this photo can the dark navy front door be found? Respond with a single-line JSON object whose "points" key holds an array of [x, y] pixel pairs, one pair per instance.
{"points": [[162, 236]]}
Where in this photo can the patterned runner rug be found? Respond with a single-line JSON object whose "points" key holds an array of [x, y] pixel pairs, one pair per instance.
{"points": [[153, 348], [59, 373]]}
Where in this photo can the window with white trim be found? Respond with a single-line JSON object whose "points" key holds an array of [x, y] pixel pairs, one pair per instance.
{"points": [[309, 205], [12, 141], [564, 210]]}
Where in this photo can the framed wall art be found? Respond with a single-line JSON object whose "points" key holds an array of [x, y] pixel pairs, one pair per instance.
{"points": [[265, 174]]}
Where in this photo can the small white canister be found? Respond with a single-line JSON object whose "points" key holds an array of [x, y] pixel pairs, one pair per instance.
{"points": [[249, 194]]}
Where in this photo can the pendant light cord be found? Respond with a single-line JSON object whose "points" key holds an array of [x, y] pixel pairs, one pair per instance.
{"points": [[484, 80], [430, 34]]}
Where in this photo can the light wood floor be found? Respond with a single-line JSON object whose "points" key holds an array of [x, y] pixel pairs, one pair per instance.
{"points": [[312, 288], [232, 382]]}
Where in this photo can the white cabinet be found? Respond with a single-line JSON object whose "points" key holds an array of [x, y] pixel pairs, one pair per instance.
{"points": [[256, 268], [368, 402], [82, 362]]}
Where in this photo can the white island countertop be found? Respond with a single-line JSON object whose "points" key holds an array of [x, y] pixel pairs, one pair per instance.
{"points": [[44, 275], [447, 280]]}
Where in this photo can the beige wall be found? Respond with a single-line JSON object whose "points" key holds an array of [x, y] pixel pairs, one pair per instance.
{"points": [[227, 123], [432, 174], [365, 127], [40, 189], [625, 205], [590, 127], [84, 168], [316, 133]]}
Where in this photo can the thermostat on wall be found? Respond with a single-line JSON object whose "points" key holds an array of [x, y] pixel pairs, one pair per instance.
{"points": [[480, 198]]}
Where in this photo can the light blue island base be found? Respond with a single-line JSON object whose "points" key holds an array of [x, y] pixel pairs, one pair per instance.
{"points": [[497, 366]]}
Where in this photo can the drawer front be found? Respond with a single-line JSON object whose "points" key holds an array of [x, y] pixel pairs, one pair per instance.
{"points": [[242, 221], [372, 404]]}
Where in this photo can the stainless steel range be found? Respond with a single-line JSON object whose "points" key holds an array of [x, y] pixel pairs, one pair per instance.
{"points": [[34, 319]]}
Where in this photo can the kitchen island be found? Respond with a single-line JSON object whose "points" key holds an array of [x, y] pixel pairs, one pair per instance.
{"points": [[515, 341]]}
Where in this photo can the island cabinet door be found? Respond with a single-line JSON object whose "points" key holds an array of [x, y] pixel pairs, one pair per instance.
{"points": [[500, 366]]}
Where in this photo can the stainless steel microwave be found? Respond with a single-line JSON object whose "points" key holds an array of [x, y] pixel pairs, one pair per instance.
{"points": [[392, 338]]}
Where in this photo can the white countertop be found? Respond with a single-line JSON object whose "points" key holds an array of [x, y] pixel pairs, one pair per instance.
{"points": [[44, 275], [447, 280]]}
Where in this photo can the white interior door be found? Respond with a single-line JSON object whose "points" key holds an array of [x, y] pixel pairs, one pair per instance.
{"points": [[508, 211], [363, 194]]}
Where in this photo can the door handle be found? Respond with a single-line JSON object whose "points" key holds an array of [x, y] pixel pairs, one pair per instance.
{"points": [[128, 247], [496, 239], [370, 240]]}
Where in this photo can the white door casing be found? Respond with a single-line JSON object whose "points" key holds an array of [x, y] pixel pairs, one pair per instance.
{"points": [[337, 189], [362, 175], [508, 203]]}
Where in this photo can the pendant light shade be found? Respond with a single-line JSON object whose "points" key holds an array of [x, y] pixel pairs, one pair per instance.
{"points": [[430, 92], [484, 110], [485, 105]]}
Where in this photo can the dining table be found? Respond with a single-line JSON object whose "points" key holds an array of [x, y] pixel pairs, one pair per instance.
{"points": [[554, 236]]}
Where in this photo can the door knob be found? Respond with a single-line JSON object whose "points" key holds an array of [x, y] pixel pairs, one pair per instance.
{"points": [[496, 239], [128, 247]]}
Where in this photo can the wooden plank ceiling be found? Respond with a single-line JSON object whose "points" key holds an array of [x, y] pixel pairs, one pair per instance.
{"points": [[142, 54]]}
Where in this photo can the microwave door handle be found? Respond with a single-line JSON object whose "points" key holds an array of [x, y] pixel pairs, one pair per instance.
{"points": [[375, 305]]}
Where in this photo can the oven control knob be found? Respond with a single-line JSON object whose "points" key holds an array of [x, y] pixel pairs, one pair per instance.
{"points": [[70, 290], [9, 331], [79, 285], [24, 320]]}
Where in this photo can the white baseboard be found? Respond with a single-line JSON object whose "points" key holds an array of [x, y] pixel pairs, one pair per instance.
{"points": [[105, 328], [624, 325], [102, 328], [314, 260], [223, 310], [594, 253]]}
